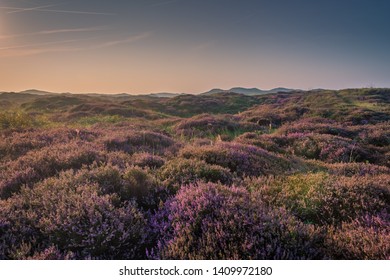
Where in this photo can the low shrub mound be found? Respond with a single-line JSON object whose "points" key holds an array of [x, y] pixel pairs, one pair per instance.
{"points": [[206, 125], [243, 160], [73, 218], [377, 135], [11, 120], [367, 238], [136, 141], [138, 184], [131, 183], [317, 125], [208, 221], [147, 160], [274, 115], [324, 199], [16, 144], [356, 168], [179, 172], [324, 147], [44, 163]]}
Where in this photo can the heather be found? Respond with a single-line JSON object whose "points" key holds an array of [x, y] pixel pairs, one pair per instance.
{"points": [[205, 125], [73, 217], [211, 221], [240, 159], [325, 199], [181, 172], [298, 175], [365, 238]]}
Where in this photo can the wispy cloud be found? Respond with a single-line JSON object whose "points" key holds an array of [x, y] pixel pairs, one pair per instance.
{"points": [[37, 45], [20, 10], [43, 9], [54, 31], [60, 46], [35, 51]]}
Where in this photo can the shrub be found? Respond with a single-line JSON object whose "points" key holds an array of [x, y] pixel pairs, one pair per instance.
{"points": [[132, 183], [356, 168], [138, 183], [324, 147], [15, 144], [238, 158], [46, 162], [136, 141], [210, 221], [377, 135], [366, 238], [119, 159], [51, 253], [147, 160], [318, 126], [16, 120], [181, 171], [73, 218], [324, 199], [265, 142], [206, 125]]}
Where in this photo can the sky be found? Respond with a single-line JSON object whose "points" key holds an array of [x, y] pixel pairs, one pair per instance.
{"points": [[192, 46]]}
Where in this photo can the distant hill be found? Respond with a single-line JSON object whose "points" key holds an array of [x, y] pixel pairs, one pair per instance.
{"points": [[165, 94], [37, 92], [248, 91], [240, 90]]}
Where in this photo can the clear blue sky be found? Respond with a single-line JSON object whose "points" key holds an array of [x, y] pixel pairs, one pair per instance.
{"points": [[140, 46]]}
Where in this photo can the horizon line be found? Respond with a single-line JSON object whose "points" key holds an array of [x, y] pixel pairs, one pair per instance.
{"points": [[183, 93]]}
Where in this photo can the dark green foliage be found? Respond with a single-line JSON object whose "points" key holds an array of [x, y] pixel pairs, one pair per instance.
{"points": [[181, 172]]}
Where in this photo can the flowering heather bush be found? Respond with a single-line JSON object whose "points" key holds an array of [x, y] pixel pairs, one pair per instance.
{"points": [[356, 168], [73, 218], [328, 148], [181, 171], [313, 170], [208, 125], [132, 183], [119, 159], [358, 116], [317, 125], [210, 221], [51, 253], [365, 238], [205, 125], [46, 162], [147, 160], [273, 115], [138, 184], [136, 141], [16, 144], [377, 135], [324, 199], [263, 141], [238, 158]]}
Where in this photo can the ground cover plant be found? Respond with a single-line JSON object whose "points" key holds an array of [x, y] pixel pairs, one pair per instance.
{"points": [[297, 175]]}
